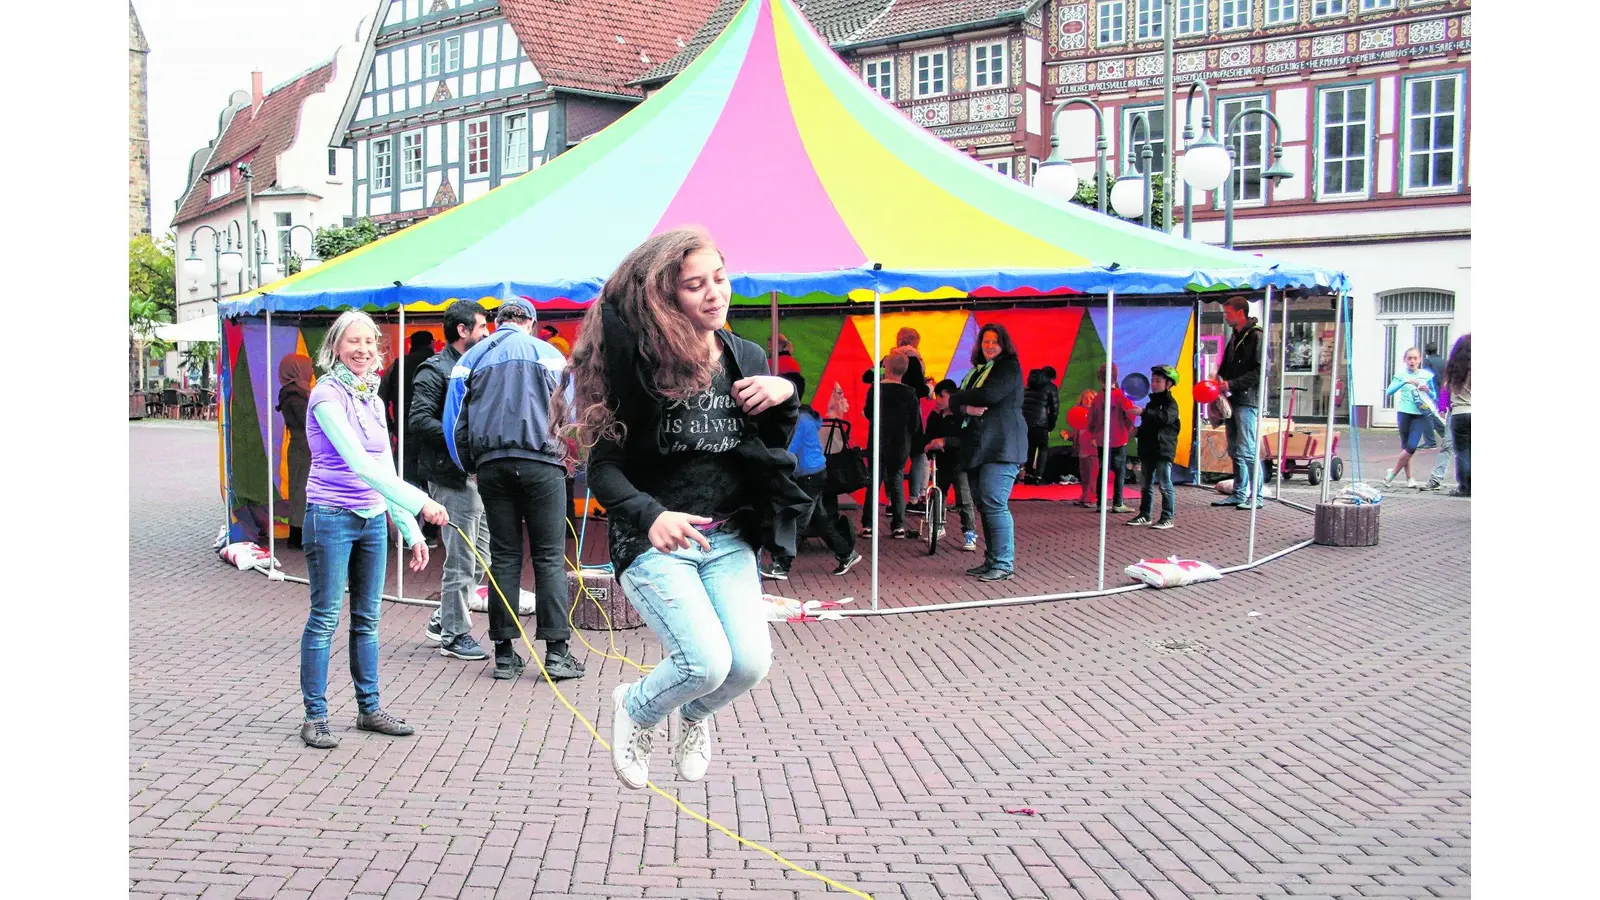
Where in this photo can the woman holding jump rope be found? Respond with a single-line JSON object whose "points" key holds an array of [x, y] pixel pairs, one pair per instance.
{"points": [[686, 437]]}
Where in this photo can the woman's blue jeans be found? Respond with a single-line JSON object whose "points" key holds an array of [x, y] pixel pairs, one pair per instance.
{"points": [[995, 481], [706, 608], [342, 549]]}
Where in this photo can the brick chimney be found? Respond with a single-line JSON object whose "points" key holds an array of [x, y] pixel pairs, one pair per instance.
{"points": [[256, 94]]}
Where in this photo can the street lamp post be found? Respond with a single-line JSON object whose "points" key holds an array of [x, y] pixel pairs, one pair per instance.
{"points": [[1132, 192], [1057, 175], [194, 266], [1207, 140], [1272, 175], [310, 260], [253, 271]]}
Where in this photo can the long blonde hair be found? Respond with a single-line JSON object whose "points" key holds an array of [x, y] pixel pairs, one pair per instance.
{"points": [[643, 292]]}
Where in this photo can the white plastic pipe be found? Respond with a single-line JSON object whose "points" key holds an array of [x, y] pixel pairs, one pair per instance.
{"points": [[400, 404], [871, 504], [272, 440], [1333, 401], [1283, 390], [1105, 441], [1261, 385]]}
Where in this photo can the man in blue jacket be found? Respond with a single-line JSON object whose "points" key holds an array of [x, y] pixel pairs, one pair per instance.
{"points": [[497, 425]]}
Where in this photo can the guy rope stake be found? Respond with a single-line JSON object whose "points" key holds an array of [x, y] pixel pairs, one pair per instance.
{"points": [[533, 654]]}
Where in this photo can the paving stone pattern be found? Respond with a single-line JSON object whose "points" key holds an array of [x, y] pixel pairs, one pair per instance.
{"points": [[1170, 744]]}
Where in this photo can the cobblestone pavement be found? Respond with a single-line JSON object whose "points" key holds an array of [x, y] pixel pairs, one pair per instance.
{"points": [[1170, 744]]}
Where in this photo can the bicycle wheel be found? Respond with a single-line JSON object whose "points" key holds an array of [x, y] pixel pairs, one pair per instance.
{"points": [[934, 520]]}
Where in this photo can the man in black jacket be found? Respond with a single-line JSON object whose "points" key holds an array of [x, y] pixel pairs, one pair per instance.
{"points": [[418, 351], [465, 323], [1241, 372]]}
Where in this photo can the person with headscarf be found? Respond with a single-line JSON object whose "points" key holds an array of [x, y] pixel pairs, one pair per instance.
{"points": [[294, 391]]}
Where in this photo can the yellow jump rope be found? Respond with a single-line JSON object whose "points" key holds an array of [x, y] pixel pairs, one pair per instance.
{"points": [[584, 592]]}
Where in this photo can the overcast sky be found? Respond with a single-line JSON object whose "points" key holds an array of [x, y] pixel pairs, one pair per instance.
{"points": [[202, 52]]}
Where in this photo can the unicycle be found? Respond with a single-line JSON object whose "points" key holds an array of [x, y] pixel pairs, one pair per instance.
{"points": [[933, 521]]}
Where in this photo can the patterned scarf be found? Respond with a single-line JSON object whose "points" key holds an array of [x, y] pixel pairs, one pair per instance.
{"points": [[978, 376], [362, 387]]}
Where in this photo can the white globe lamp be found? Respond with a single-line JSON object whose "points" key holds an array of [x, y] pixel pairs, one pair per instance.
{"points": [[1058, 178], [1204, 166], [1127, 196]]}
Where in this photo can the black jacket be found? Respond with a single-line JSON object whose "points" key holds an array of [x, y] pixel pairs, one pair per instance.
{"points": [[615, 466], [999, 435], [952, 427], [1241, 365], [901, 428], [1158, 428], [425, 421], [1041, 403]]}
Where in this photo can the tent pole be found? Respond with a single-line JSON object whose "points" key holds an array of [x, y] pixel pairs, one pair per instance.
{"points": [[222, 441], [1199, 408], [1105, 440], [1283, 390], [1333, 400], [1261, 383], [871, 505], [272, 441], [400, 425], [772, 364]]}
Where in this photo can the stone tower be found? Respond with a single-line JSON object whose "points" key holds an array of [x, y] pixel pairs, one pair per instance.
{"points": [[138, 129]]}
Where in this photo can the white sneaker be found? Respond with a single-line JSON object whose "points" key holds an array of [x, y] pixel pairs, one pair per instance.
{"points": [[1411, 483], [630, 743], [693, 754], [1388, 477]]}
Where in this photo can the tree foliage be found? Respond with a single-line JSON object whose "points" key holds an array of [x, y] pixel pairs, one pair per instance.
{"points": [[152, 272], [335, 241]]}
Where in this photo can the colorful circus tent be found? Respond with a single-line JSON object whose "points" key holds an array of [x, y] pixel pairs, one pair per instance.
{"points": [[829, 204]]}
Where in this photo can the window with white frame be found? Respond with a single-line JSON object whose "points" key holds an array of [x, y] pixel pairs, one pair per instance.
{"points": [[285, 227], [477, 147], [430, 59], [989, 65], [1250, 145], [1191, 17], [1236, 14], [1112, 17], [1002, 165], [1344, 117], [1149, 20], [382, 164], [1321, 9], [514, 143], [1133, 139], [879, 75], [1376, 5], [930, 69], [452, 53], [221, 182], [1433, 133], [411, 159], [1283, 12]]}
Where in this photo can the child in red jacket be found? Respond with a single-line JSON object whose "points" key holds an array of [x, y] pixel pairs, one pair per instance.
{"points": [[1123, 414]]}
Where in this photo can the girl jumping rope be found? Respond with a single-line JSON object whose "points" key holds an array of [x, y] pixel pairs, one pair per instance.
{"points": [[686, 437]]}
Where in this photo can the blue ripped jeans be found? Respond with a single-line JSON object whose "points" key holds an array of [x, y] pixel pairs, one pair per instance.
{"points": [[706, 608], [342, 549]]}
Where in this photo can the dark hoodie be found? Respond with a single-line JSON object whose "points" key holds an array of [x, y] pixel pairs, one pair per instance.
{"points": [[627, 475], [1158, 428], [1241, 365], [1041, 403]]}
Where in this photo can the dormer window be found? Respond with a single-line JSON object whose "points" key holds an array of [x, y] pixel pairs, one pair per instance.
{"points": [[221, 183]]}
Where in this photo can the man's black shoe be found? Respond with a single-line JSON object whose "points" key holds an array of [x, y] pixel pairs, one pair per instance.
{"points": [[562, 666], [508, 663]]}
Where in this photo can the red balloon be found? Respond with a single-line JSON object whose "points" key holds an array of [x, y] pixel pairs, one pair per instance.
{"points": [[1207, 391], [1078, 418]]}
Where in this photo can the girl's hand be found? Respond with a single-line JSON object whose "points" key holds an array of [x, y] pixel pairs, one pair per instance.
{"points": [[936, 444], [434, 513], [977, 410], [675, 531], [759, 393], [419, 556]]}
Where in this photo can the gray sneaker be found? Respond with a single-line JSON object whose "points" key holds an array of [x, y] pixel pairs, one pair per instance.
{"points": [[316, 734], [463, 646], [383, 723]]}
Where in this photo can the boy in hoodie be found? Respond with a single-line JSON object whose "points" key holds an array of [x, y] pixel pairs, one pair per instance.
{"points": [[1041, 406], [901, 432], [942, 442], [1158, 441]]}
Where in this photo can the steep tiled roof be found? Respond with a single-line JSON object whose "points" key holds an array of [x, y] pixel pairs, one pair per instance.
{"points": [[258, 135], [907, 17], [574, 43], [835, 20]]}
